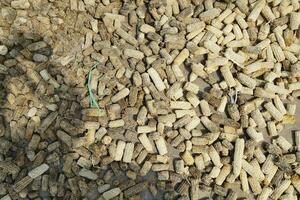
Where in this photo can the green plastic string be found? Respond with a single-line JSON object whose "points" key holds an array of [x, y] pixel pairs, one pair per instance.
{"points": [[92, 99]]}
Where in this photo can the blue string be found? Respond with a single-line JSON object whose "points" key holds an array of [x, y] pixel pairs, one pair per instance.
{"points": [[92, 98]]}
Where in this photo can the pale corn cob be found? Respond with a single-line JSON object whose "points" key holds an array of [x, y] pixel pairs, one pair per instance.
{"points": [[265, 193], [36, 172], [252, 171], [146, 142], [244, 181], [161, 146], [273, 111], [156, 79], [259, 5], [238, 156], [226, 73], [223, 174], [280, 189]]}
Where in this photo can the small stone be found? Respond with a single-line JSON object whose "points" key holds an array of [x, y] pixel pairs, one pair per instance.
{"points": [[36, 46], [40, 58], [32, 111], [3, 50], [20, 4]]}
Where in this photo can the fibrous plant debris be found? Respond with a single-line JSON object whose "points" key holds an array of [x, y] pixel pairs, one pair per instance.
{"points": [[113, 99]]}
